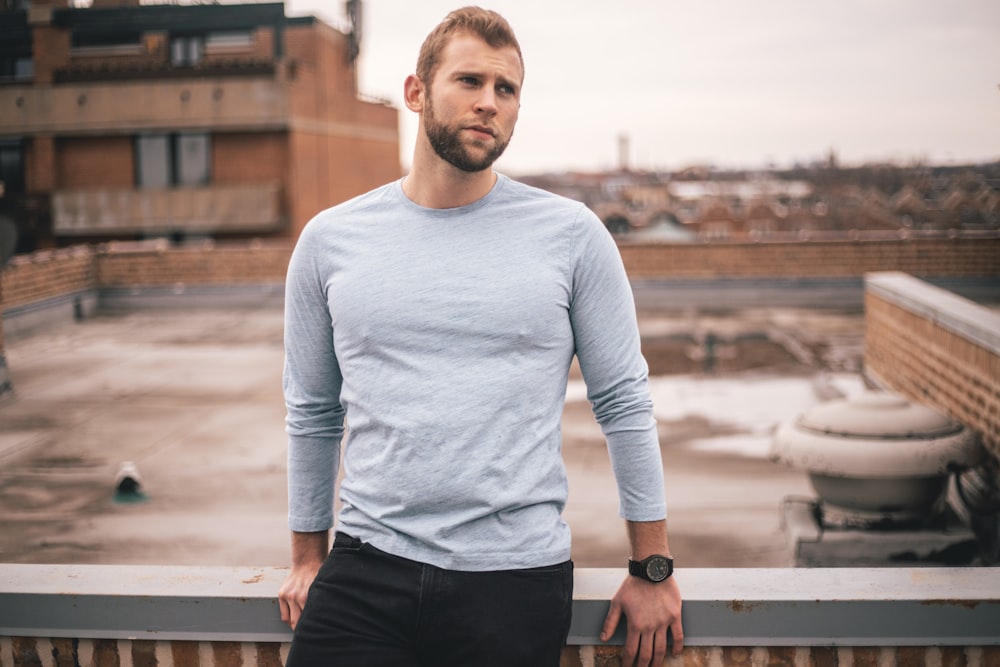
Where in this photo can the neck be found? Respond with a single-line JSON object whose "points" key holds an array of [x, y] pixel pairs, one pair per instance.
{"points": [[434, 183]]}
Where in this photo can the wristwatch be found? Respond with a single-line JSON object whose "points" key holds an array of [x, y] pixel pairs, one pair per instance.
{"points": [[656, 568]]}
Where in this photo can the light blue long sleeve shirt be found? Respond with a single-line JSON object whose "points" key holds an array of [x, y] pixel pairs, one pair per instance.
{"points": [[440, 341]]}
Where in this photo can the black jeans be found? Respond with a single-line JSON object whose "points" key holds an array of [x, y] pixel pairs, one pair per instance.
{"points": [[368, 608]]}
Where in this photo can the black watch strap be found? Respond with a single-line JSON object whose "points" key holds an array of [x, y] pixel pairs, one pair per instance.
{"points": [[655, 568]]}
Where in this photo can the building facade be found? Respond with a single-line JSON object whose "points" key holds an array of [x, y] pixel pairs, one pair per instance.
{"points": [[129, 121]]}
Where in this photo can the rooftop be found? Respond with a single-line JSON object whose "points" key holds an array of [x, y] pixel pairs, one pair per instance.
{"points": [[193, 398]]}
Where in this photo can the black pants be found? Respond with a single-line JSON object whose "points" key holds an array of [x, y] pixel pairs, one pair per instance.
{"points": [[368, 608]]}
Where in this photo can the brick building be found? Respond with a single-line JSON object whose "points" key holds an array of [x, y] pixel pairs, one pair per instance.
{"points": [[127, 121]]}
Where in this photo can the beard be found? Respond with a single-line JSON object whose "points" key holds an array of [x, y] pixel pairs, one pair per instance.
{"points": [[447, 143]]}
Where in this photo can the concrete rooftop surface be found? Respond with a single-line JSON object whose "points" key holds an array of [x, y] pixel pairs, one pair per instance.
{"points": [[193, 399]]}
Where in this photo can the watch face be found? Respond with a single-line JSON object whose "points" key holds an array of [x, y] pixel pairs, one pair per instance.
{"points": [[658, 568]]}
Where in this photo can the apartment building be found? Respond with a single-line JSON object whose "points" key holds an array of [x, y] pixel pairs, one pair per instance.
{"points": [[129, 121]]}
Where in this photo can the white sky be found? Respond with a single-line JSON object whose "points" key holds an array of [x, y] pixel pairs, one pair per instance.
{"points": [[734, 83]]}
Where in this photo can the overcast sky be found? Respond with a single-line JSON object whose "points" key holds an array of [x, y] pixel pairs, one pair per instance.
{"points": [[733, 83]]}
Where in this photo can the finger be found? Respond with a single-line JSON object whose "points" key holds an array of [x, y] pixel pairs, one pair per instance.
{"points": [[611, 622], [678, 633], [659, 647], [633, 643], [647, 644], [286, 614]]}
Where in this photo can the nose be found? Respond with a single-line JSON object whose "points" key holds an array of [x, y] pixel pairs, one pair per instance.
{"points": [[487, 100]]}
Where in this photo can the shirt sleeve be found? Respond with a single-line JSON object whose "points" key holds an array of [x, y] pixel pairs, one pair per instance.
{"points": [[606, 335], [311, 382]]}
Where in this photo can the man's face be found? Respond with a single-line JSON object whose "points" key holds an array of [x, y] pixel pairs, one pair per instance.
{"points": [[472, 104]]}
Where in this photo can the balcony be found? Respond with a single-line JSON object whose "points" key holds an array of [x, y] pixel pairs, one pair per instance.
{"points": [[195, 210], [226, 617], [144, 71], [243, 103]]}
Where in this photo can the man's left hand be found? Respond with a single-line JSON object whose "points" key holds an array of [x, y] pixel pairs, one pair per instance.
{"points": [[650, 610]]}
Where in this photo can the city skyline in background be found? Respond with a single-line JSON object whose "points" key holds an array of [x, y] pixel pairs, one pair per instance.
{"points": [[728, 84]]}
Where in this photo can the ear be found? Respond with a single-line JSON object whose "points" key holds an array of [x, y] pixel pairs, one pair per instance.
{"points": [[413, 93]]}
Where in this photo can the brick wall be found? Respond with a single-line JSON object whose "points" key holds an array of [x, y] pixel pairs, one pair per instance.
{"points": [[814, 259], [156, 265], [109, 162], [50, 51], [918, 353], [51, 273], [319, 52], [101, 162], [263, 43], [339, 146], [245, 157], [45, 275], [334, 159], [32, 652], [794, 656], [372, 162], [40, 164]]}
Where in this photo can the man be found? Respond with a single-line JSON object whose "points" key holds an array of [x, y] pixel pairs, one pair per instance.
{"points": [[438, 317]]}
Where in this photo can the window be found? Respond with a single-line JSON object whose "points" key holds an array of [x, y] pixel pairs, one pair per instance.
{"points": [[235, 40], [97, 42], [153, 161], [187, 51], [17, 69], [11, 167], [169, 160], [191, 159]]}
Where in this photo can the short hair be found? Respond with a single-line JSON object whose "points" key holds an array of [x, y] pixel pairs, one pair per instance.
{"points": [[483, 23]]}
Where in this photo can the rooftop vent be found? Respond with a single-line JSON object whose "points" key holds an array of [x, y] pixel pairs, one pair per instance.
{"points": [[875, 459]]}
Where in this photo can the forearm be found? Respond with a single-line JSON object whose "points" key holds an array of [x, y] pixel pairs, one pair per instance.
{"points": [[647, 538], [310, 548]]}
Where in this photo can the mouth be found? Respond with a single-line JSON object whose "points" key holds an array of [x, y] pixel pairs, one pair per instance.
{"points": [[482, 131]]}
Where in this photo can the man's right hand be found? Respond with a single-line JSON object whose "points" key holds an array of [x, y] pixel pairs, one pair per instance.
{"points": [[309, 550], [294, 591]]}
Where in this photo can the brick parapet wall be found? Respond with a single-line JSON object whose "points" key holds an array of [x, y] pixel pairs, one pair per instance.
{"points": [[47, 274], [162, 265], [919, 356], [44, 275], [814, 259], [31, 652]]}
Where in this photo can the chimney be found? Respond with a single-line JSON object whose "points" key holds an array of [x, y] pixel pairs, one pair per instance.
{"points": [[623, 151]]}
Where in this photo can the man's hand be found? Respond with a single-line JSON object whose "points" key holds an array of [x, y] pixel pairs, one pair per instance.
{"points": [[650, 610], [309, 550], [294, 591]]}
